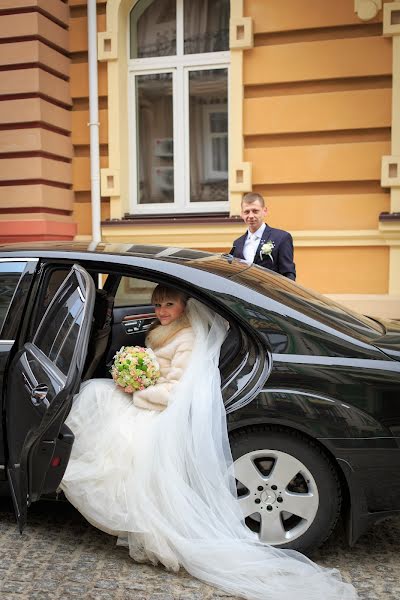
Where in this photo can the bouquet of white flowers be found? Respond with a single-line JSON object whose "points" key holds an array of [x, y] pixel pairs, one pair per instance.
{"points": [[135, 368]]}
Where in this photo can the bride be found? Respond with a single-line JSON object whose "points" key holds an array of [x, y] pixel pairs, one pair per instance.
{"points": [[155, 468]]}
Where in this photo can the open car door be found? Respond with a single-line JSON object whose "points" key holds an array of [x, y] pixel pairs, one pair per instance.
{"points": [[41, 382]]}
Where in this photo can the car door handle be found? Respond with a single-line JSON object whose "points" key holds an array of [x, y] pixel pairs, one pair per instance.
{"points": [[39, 396], [134, 325]]}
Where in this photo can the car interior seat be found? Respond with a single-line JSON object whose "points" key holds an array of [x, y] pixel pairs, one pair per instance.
{"points": [[100, 334]]}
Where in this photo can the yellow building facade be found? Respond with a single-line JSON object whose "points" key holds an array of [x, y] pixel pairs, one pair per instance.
{"points": [[306, 113]]}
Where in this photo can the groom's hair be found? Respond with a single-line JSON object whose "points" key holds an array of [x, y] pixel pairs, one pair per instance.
{"points": [[253, 197], [161, 293]]}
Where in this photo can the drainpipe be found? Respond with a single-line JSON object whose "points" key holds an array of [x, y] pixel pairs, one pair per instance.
{"points": [[94, 123]]}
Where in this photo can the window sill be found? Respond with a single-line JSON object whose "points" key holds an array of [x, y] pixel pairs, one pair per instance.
{"points": [[386, 216], [207, 218]]}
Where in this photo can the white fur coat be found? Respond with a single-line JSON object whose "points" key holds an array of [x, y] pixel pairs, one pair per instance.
{"points": [[172, 344]]}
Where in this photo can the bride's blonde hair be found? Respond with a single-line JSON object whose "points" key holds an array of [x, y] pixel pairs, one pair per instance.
{"points": [[161, 293]]}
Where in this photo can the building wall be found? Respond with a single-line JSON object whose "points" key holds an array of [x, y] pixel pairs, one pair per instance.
{"points": [[317, 117], [310, 120], [35, 121]]}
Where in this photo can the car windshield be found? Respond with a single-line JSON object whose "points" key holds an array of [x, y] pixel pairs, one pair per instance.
{"points": [[308, 302]]}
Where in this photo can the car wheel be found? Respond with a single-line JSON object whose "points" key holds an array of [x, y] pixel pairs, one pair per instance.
{"points": [[288, 488]]}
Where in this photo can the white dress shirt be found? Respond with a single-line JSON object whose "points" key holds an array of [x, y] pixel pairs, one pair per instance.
{"points": [[252, 242]]}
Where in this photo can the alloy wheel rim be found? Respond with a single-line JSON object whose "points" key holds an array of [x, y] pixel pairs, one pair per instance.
{"points": [[277, 494]]}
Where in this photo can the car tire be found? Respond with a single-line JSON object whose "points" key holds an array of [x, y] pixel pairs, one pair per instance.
{"points": [[290, 482]]}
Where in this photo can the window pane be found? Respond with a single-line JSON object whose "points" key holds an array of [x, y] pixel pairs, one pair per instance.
{"points": [[155, 147], [58, 332], [208, 116], [206, 26], [153, 28], [10, 274], [67, 346], [219, 153], [219, 122], [134, 292]]}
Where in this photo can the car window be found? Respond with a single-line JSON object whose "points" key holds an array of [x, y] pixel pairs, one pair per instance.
{"points": [[54, 277], [57, 333], [308, 302], [10, 274], [134, 292], [54, 281]]}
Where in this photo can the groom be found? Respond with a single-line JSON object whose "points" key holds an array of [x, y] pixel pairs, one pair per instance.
{"points": [[263, 245]]}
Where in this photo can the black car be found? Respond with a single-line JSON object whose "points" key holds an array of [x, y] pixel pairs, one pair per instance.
{"points": [[312, 390]]}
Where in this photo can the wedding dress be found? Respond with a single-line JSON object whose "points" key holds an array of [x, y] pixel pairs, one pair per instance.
{"points": [[163, 483]]}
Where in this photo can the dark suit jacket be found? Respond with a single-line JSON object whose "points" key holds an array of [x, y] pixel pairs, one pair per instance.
{"points": [[282, 253]]}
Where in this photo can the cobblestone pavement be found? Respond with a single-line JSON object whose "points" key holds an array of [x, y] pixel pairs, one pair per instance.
{"points": [[61, 557]]}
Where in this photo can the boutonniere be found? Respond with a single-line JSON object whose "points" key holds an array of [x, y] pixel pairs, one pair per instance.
{"points": [[266, 249]]}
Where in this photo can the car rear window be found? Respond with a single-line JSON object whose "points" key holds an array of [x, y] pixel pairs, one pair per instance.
{"points": [[308, 302], [59, 329]]}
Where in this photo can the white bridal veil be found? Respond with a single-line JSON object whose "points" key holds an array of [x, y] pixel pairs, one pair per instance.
{"points": [[183, 499]]}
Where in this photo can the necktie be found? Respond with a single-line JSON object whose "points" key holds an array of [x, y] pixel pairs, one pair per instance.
{"points": [[251, 247]]}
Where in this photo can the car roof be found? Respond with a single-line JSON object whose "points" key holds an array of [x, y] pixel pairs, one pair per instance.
{"points": [[193, 266], [142, 250], [143, 255]]}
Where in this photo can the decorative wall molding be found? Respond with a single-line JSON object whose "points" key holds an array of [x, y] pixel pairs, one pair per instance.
{"points": [[112, 48], [241, 33], [106, 46], [391, 19], [109, 182], [238, 180], [390, 171], [241, 180], [367, 9], [390, 229]]}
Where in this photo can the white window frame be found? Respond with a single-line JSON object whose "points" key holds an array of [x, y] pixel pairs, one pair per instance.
{"points": [[180, 66]]}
